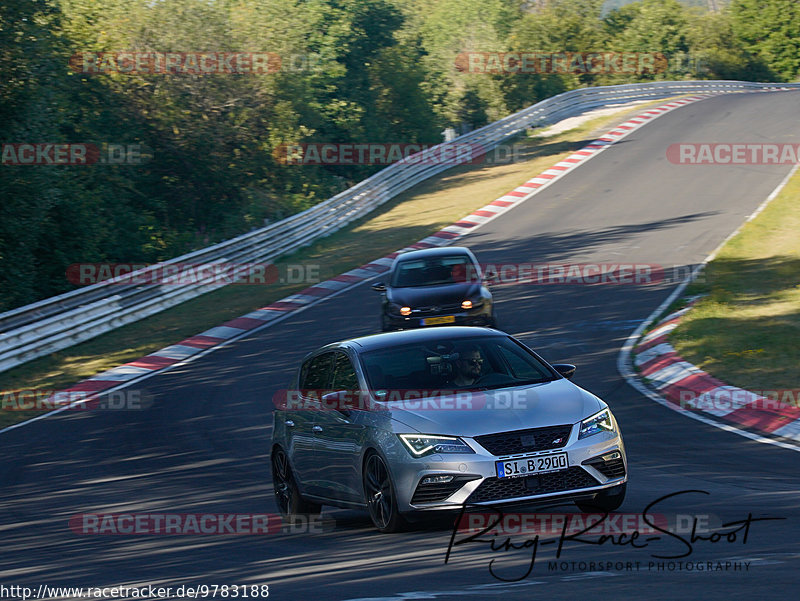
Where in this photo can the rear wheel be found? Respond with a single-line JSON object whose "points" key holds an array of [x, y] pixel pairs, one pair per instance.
{"points": [[380, 497], [290, 502], [608, 500]]}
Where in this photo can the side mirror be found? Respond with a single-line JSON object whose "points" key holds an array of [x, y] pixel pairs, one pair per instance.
{"points": [[565, 369], [379, 287]]}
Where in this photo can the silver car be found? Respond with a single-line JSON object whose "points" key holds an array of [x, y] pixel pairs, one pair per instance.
{"points": [[431, 420]]}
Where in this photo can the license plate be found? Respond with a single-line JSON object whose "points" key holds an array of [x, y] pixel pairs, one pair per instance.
{"points": [[433, 321], [526, 466]]}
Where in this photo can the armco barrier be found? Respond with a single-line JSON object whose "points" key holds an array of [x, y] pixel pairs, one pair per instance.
{"points": [[56, 323]]}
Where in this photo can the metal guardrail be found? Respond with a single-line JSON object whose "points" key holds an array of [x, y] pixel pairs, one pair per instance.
{"points": [[61, 321]]}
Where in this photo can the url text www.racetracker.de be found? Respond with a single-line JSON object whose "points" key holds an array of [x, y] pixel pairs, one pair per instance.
{"points": [[200, 591]]}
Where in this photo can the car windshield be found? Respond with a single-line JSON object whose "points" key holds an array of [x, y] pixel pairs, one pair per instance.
{"points": [[479, 363], [435, 271]]}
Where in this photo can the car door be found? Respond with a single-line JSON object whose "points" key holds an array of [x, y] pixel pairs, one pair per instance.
{"points": [[315, 376], [339, 434]]}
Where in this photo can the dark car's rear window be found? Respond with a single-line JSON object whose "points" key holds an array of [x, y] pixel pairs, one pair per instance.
{"points": [[435, 271]]}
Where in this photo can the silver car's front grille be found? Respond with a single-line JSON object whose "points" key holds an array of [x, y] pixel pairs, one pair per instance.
{"points": [[497, 489], [523, 441], [437, 309]]}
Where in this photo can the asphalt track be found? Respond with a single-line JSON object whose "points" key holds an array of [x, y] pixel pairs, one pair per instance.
{"points": [[203, 444]]}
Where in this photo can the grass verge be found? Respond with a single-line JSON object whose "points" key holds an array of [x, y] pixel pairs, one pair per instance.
{"points": [[413, 215], [745, 332]]}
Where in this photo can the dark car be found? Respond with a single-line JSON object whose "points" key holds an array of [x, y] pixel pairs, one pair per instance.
{"points": [[433, 287]]}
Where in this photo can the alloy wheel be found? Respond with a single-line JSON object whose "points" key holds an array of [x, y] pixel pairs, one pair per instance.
{"points": [[281, 480], [378, 491]]}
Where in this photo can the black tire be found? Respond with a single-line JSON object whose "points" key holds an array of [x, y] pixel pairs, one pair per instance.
{"points": [[379, 495], [608, 500], [291, 503]]}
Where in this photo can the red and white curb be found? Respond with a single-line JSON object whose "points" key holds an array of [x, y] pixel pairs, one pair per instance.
{"points": [[196, 346], [691, 389], [679, 385]]}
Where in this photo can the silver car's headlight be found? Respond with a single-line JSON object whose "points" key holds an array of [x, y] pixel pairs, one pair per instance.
{"points": [[420, 445], [599, 422]]}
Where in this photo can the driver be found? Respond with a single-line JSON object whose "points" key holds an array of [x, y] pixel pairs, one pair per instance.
{"points": [[468, 366]]}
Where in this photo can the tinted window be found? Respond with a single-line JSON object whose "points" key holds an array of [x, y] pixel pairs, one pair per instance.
{"points": [[482, 363], [316, 372], [344, 374], [519, 364], [434, 271]]}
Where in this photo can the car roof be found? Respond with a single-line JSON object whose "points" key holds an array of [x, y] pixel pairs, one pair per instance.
{"points": [[434, 252], [421, 335]]}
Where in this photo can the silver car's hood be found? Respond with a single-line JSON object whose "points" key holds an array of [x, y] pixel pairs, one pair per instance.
{"points": [[549, 404]]}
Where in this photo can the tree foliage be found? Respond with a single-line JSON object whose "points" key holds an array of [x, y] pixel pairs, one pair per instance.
{"points": [[352, 71]]}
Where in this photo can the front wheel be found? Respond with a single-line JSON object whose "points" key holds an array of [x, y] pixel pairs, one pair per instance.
{"points": [[607, 501], [290, 502], [380, 496]]}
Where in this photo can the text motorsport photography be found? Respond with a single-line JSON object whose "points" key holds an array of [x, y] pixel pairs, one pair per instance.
{"points": [[669, 542]]}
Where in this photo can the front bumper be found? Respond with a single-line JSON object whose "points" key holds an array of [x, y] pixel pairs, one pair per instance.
{"points": [[475, 480], [478, 317]]}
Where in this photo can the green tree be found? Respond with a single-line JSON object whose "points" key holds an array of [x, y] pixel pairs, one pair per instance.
{"points": [[651, 26], [770, 29], [449, 28], [553, 27], [715, 52], [51, 216]]}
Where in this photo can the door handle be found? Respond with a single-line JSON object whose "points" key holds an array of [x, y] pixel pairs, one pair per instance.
{"points": [[289, 423], [316, 429]]}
